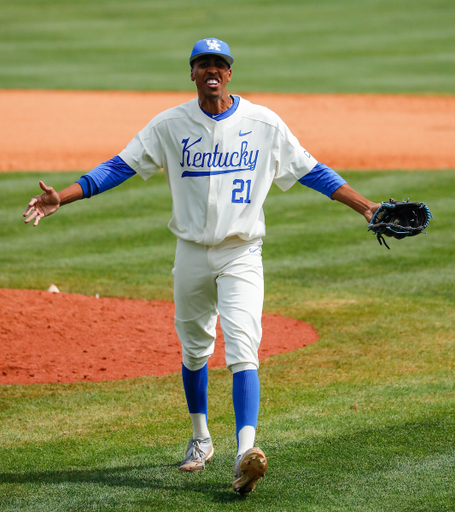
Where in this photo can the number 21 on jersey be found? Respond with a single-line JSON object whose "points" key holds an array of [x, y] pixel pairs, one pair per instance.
{"points": [[240, 193]]}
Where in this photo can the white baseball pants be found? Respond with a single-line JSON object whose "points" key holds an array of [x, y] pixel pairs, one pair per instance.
{"points": [[227, 279]]}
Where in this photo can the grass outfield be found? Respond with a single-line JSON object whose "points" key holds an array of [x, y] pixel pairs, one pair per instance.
{"points": [[292, 45], [361, 421]]}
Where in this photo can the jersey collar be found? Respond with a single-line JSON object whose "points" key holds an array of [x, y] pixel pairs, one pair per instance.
{"points": [[234, 112]]}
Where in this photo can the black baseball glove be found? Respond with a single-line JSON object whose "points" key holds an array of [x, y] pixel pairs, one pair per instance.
{"points": [[399, 219]]}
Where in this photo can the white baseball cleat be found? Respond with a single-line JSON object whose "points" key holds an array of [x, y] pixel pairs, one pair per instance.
{"points": [[249, 468], [198, 452]]}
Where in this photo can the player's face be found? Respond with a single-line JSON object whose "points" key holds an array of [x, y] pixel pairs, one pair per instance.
{"points": [[211, 74]]}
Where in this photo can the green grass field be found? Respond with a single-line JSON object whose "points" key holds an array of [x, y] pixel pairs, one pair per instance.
{"points": [[292, 45], [361, 421]]}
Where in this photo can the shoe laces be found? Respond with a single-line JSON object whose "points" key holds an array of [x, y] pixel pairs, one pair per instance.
{"points": [[198, 452]]}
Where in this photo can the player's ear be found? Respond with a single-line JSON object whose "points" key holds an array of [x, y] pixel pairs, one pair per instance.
{"points": [[192, 74], [229, 76]]}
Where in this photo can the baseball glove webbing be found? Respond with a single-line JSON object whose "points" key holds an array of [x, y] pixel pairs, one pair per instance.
{"points": [[399, 219]]}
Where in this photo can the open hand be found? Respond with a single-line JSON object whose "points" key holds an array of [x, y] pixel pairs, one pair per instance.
{"points": [[42, 205]]}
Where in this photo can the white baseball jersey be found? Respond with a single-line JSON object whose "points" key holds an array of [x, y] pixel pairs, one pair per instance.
{"points": [[219, 172]]}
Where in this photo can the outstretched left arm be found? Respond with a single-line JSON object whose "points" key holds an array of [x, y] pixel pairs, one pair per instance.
{"points": [[348, 196]]}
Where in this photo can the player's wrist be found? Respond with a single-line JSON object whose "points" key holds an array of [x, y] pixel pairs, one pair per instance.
{"points": [[72, 193]]}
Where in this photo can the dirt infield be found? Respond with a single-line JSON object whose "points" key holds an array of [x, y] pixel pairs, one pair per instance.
{"points": [[76, 130], [50, 337]]}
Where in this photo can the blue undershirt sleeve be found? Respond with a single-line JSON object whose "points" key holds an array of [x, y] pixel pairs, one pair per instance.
{"points": [[323, 179], [107, 175]]}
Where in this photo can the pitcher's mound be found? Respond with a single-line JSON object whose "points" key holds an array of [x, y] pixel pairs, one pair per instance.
{"points": [[61, 337]]}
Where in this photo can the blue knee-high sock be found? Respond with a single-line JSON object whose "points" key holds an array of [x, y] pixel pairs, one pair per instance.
{"points": [[246, 394], [195, 384]]}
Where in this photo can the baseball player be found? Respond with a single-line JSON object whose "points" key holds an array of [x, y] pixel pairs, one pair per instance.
{"points": [[220, 154]]}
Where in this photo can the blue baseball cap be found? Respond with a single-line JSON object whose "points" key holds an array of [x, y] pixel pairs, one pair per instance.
{"points": [[209, 46]]}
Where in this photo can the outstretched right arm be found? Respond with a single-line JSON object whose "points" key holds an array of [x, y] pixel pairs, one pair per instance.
{"points": [[48, 203], [104, 177]]}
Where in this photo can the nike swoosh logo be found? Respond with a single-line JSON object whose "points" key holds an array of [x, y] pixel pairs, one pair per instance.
{"points": [[243, 134], [254, 250]]}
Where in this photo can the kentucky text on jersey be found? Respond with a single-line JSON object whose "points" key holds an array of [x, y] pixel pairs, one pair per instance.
{"points": [[235, 161]]}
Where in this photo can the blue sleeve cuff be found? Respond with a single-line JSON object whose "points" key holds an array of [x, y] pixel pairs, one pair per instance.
{"points": [[104, 177], [323, 179], [89, 187]]}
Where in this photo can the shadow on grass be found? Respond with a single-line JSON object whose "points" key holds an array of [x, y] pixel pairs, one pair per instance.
{"points": [[408, 466], [140, 477]]}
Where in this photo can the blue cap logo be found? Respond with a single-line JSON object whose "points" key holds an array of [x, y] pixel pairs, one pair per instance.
{"points": [[210, 46], [213, 44]]}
